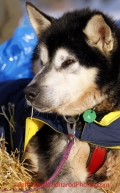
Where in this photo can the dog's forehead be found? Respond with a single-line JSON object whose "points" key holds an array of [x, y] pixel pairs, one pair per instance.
{"points": [[61, 54], [62, 33]]}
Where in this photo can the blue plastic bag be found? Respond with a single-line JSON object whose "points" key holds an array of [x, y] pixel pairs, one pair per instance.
{"points": [[16, 53]]}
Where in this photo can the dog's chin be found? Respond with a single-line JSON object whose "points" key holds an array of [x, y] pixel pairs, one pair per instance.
{"points": [[41, 109], [60, 110]]}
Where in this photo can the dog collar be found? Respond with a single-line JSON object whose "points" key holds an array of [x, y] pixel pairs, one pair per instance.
{"points": [[96, 159]]}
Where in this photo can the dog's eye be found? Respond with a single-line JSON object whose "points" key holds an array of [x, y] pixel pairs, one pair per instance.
{"points": [[67, 63]]}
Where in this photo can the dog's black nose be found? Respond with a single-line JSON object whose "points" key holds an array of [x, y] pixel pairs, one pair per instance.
{"points": [[31, 93]]}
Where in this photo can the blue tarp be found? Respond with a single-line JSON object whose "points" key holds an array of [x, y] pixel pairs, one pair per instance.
{"points": [[16, 53]]}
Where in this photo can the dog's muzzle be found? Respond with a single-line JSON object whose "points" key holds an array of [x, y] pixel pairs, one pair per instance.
{"points": [[31, 92]]}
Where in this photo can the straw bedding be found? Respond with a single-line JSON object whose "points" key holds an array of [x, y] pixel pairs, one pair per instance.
{"points": [[13, 173]]}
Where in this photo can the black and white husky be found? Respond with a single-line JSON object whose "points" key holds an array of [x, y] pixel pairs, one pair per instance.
{"points": [[77, 67]]}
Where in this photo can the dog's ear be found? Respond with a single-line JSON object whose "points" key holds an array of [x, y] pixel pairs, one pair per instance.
{"points": [[39, 20], [99, 34]]}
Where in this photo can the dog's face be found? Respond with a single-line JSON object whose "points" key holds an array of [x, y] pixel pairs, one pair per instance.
{"points": [[73, 56]]}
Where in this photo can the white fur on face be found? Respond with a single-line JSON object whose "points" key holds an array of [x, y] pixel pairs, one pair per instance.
{"points": [[44, 54], [37, 66], [63, 89], [41, 61], [61, 56]]}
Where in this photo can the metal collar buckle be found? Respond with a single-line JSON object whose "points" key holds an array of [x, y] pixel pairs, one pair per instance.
{"points": [[71, 130]]}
